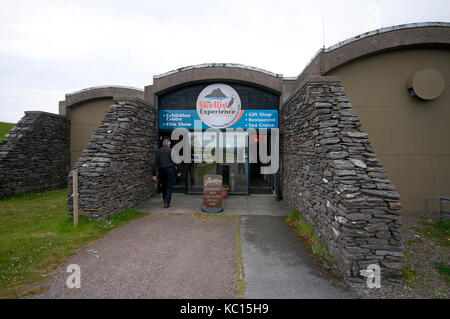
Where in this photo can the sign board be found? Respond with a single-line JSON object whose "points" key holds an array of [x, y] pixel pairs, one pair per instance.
{"points": [[257, 119], [219, 106], [212, 194]]}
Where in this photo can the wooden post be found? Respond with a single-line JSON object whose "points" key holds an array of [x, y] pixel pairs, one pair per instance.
{"points": [[75, 197]]}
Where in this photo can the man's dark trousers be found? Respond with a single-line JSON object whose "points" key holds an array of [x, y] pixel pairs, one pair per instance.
{"points": [[167, 178]]}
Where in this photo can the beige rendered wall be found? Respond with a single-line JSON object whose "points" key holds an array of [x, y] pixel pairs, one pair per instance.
{"points": [[410, 137], [85, 118]]}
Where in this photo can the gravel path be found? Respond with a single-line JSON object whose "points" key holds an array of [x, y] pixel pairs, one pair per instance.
{"points": [[172, 256], [194, 256]]}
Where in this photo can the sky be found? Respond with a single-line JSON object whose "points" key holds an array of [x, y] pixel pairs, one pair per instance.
{"points": [[51, 48]]}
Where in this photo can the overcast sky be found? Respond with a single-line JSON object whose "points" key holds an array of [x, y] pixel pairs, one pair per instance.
{"points": [[50, 48]]}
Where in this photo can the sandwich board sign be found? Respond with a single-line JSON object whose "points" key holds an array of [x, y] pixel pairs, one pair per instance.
{"points": [[212, 194]]}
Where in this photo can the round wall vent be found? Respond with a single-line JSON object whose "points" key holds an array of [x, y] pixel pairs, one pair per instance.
{"points": [[426, 84]]}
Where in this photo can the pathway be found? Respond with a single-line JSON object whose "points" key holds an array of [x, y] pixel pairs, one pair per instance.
{"points": [[182, 254]]}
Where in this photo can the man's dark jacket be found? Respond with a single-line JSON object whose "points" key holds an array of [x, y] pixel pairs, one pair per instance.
{"points": [[163, 160]]}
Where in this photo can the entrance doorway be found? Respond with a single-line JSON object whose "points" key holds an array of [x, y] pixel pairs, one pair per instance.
{"points": [[238, 174], [235, 171]]}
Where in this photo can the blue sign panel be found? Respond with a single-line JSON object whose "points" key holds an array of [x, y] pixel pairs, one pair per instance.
{"points": [[257, 119]]}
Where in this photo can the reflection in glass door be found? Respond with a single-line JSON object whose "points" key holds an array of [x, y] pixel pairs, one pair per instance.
{"points": [[234, 168], [196, 169]]}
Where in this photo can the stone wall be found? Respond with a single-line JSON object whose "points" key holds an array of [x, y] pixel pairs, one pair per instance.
{"points": [[115, 168], [35, 154], [331, 174]]}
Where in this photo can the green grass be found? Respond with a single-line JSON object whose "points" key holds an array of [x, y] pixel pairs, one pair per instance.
{"points": [[439, 230], [36, 236], [306, 233], [409, 274], [304, 228], [444, 270], [293, 215], [4, 129], [240, 274]]}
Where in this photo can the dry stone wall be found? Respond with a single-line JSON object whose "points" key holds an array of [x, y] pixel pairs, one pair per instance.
{"points": [[35, 154], [114, 170], [332, 175]]}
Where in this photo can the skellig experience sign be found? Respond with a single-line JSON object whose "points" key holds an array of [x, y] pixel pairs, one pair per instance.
{"points": [[219, 106]]}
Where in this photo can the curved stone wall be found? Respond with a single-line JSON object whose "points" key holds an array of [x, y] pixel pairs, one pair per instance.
{"points": [[35, 154], [115, 168], [331, 174]]}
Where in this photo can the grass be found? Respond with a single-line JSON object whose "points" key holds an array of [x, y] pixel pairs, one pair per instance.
{"points": [[409, 274], [439, 230], [4, 129], [419, 280], [240, 275], [444, 270], [36, 236], [306, 232], [293, 216]]}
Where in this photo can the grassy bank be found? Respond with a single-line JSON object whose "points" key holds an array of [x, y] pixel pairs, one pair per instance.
{"points": [[305, 231], [36, 236], [4, 129]]}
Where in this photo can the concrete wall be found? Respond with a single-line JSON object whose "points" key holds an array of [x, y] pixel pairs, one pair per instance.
{"points": [[433, 34], [115, 167], [331, 174], [218, 72], [85, 118], [410, 136], [86, 109], [34, 155]]}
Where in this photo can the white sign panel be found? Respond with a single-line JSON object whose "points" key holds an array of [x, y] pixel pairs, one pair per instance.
{"points": [[219, 106]]}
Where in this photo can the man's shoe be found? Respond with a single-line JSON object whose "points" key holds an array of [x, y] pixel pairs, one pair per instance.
{"points": [[166, 205]]}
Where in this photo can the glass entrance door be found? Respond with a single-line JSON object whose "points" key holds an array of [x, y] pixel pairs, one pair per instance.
{"points": [[235, 169], [197, 169]]}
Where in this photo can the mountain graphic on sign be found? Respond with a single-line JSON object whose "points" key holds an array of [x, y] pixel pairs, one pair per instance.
{"points": [[216, 93]]}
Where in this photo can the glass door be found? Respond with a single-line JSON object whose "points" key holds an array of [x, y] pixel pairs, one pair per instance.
{"points": [[235, 169], [197, 169]]}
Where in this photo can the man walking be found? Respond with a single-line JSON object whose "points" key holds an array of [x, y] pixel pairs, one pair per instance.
{"points": [[167, 170]]}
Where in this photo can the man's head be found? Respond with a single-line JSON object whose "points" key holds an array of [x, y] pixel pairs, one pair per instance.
{"points": [[166, 142]]}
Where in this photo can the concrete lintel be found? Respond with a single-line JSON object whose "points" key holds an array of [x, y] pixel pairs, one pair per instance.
{"points": [[215, 65], [217, 73]]}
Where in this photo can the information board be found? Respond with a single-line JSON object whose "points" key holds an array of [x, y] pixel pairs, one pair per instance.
{"points": [[212, 194], [257, 119]]}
